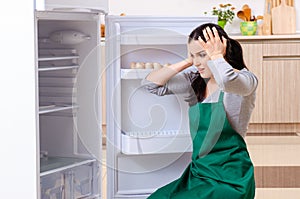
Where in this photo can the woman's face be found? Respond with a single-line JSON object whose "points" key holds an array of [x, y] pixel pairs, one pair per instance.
{"points": [[200, 58]]}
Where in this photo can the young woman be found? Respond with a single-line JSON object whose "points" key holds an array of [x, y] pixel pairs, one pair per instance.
{"points": [[221, 95]]}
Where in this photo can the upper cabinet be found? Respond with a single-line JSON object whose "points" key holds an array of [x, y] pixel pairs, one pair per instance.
{"points": [[73, 5]]}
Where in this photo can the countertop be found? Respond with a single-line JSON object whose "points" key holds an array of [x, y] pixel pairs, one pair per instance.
{"points": [[264, 37]]}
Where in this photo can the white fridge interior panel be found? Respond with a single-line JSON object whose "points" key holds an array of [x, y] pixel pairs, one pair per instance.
{"points": [[144, 174], [57, 136], [145, 112], [166, 54], [150, 35], [152, 124], [172, 142]]}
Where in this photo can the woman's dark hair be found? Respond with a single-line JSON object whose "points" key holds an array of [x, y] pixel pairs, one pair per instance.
{"points": [[234, 55]]}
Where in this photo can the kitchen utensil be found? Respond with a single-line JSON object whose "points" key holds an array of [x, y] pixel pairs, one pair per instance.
{"points": [[241, 15], [258, 17], [283, 19], [245, 6], [267, 25], [247, 12]]}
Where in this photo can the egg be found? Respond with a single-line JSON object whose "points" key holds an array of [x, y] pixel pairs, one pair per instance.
{"points": [[132, 65], [139, 65], [156, 66], [149, 65]]}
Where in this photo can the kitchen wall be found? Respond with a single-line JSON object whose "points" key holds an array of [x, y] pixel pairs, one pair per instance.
{"points": [[188, 8]]}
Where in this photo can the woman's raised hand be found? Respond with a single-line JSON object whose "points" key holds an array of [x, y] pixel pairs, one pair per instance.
{"points": [[213, 46]]}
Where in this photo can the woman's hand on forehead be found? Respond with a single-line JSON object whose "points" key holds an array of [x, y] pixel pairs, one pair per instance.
{"points": [[213, 46]]}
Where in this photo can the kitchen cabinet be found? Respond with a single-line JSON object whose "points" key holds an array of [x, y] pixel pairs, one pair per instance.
{"points": [[253, 59], [281, 65], [273, 136], [275, 60]]}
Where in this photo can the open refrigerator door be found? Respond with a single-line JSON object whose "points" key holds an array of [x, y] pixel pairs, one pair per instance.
{"points": [[148, 141], [68, 75]]}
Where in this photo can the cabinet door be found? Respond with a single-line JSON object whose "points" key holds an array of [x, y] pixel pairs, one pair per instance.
{"points": [[253, 59], [280, 90], [281, 62]]}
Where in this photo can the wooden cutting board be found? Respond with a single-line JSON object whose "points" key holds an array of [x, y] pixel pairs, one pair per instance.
{"points": [[283, 19], [266, 28]]}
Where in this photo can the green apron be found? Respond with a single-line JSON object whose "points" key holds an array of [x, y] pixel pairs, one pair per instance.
{"points": [[221, 167]]}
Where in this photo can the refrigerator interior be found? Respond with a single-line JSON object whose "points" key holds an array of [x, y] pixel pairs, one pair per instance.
{"points": [[69, 95], [148, 141]]}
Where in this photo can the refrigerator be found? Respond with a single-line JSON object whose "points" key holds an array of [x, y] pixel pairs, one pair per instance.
{"points": [[148, 142]]}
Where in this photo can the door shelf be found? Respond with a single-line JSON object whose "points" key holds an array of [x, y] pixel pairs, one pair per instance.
{"points": [[53, 68], [135, 73], [55, 108], [156, 142], [49, 165]]}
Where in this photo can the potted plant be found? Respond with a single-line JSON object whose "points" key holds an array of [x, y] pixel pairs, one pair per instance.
{"points": [[225, 14]]}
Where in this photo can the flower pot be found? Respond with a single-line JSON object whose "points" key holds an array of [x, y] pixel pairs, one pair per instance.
{"points": [[222, 23], [248, 27]]}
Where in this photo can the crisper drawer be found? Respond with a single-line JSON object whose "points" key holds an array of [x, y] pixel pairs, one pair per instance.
{"points": [[78, 182], [83, 181], [282, 48], [53, 186]]}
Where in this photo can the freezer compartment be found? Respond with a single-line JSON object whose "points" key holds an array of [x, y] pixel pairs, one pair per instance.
{"points": [[145, 172]]}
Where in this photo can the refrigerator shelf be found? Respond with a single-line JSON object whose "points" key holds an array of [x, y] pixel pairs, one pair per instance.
{"points": [[53, 68], [55, 58], [135, 73], [156, 144], [150, 39], [49, 165], [54, 108]]}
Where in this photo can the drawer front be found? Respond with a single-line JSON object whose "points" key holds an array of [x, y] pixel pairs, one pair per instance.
{"points": [[53, 187], [286, 48], [83, 181]]}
